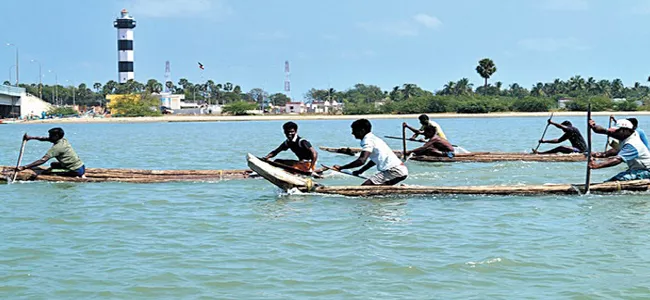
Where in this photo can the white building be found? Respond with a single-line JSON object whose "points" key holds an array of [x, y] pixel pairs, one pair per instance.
{"points": [[15, 102], [295, 108], [173, 101]]}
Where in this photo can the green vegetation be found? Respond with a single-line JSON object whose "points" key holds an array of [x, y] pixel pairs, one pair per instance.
{"points": [[239, 108], [454, 96], [62, 111], [135, 106]]}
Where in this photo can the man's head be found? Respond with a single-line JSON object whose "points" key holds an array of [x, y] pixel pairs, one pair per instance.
{"points": [[429, 132], [55, 134], [635, 122], [623, 129], [290, 130], [566, 123], [360, 128], [424, 119]]}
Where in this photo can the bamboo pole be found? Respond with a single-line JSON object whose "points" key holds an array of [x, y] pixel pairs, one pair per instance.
{"points": [[20, 157]]}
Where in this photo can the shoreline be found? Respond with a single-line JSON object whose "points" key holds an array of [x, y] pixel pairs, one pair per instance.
{"points": [[190, 118]]}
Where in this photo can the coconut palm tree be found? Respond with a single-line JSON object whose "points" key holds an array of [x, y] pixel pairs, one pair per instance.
{"points": [[486, 68]]}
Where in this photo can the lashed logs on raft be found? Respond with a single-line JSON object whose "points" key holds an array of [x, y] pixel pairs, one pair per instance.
{"points": [[607, 187], [477, 156], [131, 175]]}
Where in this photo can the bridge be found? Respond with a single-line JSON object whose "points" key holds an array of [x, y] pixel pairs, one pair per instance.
{"points": [[15, 102]]}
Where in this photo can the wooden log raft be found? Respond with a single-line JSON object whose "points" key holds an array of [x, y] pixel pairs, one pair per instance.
{"points": [[477, 156], [607, 187], [129, 175]]}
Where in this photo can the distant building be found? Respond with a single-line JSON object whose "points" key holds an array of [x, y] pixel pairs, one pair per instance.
{"points": [[15, 102], [295, 108], [173, 101], [562, 102]]}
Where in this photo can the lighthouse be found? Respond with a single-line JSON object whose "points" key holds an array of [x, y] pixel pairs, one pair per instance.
{"points": [[125, 25]]}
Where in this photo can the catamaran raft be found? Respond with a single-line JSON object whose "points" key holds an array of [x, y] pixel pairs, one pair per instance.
{"points": [[127, 175], [286, 181], [477, 156]]}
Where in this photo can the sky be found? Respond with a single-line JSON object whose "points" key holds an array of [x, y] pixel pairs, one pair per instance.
{"points": [[336, 43]]}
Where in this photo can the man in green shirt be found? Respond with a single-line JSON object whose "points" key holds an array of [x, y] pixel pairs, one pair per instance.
{"points": [[67, 158]]}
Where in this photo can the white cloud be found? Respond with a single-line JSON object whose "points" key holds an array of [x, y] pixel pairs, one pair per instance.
{"points": [[565, 5], [214, 9], [552, 44], [427, 21], [271, 36]]}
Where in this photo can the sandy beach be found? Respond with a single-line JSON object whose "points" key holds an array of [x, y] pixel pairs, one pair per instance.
{"points": [[209, 118]]}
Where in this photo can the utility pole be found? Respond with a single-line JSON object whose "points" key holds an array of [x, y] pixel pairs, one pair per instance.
{"points": [[14, 45], [56, 87], [40, 79]]}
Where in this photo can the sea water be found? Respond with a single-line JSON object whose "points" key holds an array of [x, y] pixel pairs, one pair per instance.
{"points": [[243, 239]]}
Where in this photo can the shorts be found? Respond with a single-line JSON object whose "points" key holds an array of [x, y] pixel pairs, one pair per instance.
{"points": [[631, 175], [390, 174], [58, 169]]}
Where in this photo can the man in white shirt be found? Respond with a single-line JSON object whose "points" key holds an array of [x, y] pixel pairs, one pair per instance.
{"points": [[391, 169], [633, 152]]}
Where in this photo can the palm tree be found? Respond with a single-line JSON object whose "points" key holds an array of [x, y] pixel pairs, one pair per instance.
{"points": [[170, 86], [97, 86], [227, 87], [408, 90], [448, 88], [486, 68], [537, 90], [109, 87], [463, 87]]}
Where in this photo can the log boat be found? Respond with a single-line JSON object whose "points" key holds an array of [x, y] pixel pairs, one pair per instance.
{"points": [[128, 175], [476, 156], [286, 181]]}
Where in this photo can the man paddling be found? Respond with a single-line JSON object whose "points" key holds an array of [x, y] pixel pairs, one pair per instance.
{"points": [[633, 152], [306, 154], [425, 122], [391, 169], [435, 145], [636, 128], [572, 134], [68, 162]]}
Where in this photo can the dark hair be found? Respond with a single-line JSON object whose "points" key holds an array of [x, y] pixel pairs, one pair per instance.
{"points": [[362, 124], [56, 132], [566, 123], [634, 121], [290, 125], [423, 117]]}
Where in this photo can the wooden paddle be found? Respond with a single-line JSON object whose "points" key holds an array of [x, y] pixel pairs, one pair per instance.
{"points": [[588, 179], [404, 143], [289, 168], [343, 171], [20, 157], [544, 133], [608, 127], [411, 139]]}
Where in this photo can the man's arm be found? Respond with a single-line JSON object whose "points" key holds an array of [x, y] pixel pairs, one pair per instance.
{"points": [[558, 125], [554, 141], [37, 163], [597, 128], [605, 164], [38, 138], [277, 150], [314, 158], [363, 157], [609, 153], [414, 130], [369, 165]]}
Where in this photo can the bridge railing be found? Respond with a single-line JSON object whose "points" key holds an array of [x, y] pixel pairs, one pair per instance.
{"points": [[12, 90]]}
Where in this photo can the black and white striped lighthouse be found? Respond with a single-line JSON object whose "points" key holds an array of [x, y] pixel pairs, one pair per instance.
{"points": [[125, 25]]}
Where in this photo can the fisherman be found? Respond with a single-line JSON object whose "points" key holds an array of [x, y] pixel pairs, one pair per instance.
{"points": [[391, 169], [306, 154], [572, 134], [435, 145], [640, 131], [425, 122], [67, 159], [633, 152]]}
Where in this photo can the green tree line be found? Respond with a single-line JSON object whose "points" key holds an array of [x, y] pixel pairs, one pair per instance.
{"points": [[455, 96]]}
